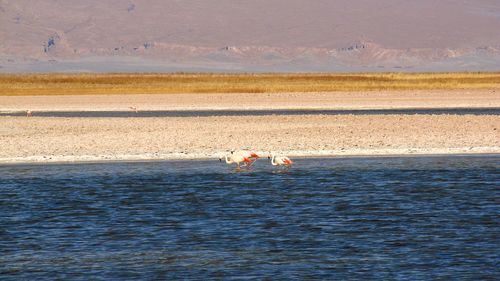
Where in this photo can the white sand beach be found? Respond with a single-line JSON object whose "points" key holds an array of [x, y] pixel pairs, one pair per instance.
{"points": [[50, 139]]}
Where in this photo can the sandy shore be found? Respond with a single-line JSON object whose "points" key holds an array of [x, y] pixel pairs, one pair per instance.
{"points": [[335, 100], [46, 139], [40, 139]]}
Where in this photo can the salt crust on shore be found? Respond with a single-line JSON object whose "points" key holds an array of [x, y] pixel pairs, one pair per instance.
{"points": [[50, 139], [256, 101]]}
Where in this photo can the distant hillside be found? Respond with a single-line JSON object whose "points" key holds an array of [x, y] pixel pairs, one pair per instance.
{"points": [[257, 35]]}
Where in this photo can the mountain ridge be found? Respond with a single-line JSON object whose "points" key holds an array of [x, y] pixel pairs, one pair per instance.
{"points": [[274, 35]]}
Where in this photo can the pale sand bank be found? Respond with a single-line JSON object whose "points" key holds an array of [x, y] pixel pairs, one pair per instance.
{"points": [[95, 139], [334, 100]]}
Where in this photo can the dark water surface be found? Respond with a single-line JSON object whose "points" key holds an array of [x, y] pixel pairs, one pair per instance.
{"points": [[208, 113], [359, 218]]}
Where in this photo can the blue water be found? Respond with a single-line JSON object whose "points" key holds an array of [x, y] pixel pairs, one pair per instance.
{"points": [[359, 218]]}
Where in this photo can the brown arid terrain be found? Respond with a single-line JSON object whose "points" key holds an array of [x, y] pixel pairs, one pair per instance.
{"points": [[260, 35], [51, 139]]}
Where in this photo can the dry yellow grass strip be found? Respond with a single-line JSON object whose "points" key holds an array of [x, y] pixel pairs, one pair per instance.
{"points": [[152, 83]]}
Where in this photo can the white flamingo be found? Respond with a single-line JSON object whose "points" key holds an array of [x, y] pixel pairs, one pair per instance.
{"points": [[280, 160], [29, 113], [134, 108], [236, 159]]}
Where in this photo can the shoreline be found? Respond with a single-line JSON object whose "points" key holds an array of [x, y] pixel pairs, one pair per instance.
{"points": [[73, 138], [363, 153], [40, 139], [480, 111]]}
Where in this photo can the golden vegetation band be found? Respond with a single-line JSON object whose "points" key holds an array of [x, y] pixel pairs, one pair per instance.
{"points": [[85, 84]]}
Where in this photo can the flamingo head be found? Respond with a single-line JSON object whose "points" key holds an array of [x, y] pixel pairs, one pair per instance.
{"points": [[270, 155]]}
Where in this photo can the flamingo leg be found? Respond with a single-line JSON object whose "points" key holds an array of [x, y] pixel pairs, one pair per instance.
{"points": [[247, 162]]}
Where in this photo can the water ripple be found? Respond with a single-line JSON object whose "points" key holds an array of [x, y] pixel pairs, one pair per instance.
{"points": [[360, 218]]}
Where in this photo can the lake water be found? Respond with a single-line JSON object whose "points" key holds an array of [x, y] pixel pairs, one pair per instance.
{"points": [[406, 218], [263, 112]]}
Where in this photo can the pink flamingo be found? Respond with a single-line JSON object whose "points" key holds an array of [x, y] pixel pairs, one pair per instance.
{"points": [[280, 160], [134, 108], [247, 154], [236, 159], [29, 113]]}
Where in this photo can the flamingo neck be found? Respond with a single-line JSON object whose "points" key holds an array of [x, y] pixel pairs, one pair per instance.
{"points": [[228, 160], [273, 158]]}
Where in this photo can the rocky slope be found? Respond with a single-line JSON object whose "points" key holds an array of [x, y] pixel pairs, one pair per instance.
{"points": [[260, 35]]}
